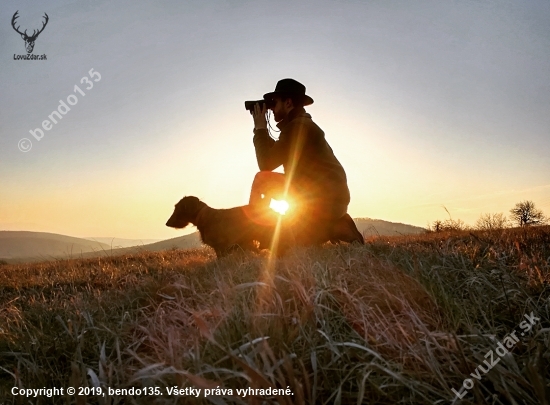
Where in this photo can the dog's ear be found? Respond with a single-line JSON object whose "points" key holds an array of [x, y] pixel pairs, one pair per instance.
{"points": [[181, 216], [185, 212], [192, 205]]}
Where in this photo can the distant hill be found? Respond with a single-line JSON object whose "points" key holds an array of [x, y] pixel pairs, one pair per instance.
{"points": [[44, 245], [181, 242], [379, 227], [33, 246], [116, 243]]}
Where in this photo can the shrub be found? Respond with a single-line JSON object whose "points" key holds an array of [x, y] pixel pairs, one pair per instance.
{"points": [[487, 222]]}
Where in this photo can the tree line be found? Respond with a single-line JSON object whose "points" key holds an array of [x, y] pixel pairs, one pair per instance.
{"points": [[523, 214]]}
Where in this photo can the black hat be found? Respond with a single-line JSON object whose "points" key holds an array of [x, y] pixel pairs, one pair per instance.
{"points": [[290, 87]]}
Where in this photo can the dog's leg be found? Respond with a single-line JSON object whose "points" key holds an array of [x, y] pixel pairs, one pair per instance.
{"points": [[220, 253], [243, 246], [248, 246]]}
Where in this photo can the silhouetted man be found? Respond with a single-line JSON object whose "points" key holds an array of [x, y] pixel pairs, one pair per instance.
{"points": [[313, 175]]}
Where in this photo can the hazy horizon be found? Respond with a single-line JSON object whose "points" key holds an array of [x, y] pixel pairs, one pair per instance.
{"points": [[426, 105]]}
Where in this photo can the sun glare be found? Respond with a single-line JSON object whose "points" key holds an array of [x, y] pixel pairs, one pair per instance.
{"points": [[279, 206]]}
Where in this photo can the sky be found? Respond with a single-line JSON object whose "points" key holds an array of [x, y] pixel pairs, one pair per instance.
{"points": [[427, 104]]}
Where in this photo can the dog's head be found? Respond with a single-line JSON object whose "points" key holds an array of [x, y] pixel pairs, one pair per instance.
{"points": [[185, 212]]}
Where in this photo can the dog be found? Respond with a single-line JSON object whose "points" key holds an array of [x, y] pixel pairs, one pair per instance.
{"points": [[226, 230]]}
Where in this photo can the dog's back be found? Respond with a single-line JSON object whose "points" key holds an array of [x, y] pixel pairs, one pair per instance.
{"points": [[224, 229]]}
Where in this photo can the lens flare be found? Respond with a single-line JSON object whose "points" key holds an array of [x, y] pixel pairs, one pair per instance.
{"points": [[279, 206]]}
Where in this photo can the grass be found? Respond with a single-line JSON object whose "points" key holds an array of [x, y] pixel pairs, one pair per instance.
{"points": [[402, 320]]}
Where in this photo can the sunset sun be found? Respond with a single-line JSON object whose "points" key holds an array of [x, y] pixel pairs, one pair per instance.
{"points": [[279, 206]]}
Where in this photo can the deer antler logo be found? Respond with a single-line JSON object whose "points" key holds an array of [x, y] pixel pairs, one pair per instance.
{"points": [[29, 40]]}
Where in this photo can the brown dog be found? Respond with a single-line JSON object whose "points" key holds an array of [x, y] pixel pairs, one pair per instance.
{"points": [[228, 229], [222, 229]]}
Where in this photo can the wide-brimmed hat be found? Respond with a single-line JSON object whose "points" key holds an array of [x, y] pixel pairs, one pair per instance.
{"points": [[290, 87]]}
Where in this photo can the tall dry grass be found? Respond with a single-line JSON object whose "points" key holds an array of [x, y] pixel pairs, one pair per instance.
{"points": [[400, 320]]}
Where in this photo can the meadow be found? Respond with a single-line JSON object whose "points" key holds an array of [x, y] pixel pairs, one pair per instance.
{"points": [[401, 320]]}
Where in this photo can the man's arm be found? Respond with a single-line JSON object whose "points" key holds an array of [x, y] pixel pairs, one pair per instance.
{"points": [[270, 154]]}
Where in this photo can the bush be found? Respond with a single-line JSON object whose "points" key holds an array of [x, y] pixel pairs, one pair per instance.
{"points": [[488, 222], [448, 225]]}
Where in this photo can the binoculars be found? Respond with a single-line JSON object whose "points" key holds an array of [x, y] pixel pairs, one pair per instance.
{"points": [[249, 105]]}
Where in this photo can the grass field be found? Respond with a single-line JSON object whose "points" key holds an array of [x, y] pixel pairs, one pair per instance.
{"points": [[402, 320]]}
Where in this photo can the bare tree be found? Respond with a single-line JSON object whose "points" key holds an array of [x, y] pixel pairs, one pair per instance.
{"points": [[525, 214], [448, 225], [487, 222], [436, 226]]}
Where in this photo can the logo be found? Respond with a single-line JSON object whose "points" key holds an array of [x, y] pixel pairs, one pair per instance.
{"points": [[29, 39]]}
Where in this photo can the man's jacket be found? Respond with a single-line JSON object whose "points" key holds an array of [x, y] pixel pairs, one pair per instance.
{"points": [[306, 156]]}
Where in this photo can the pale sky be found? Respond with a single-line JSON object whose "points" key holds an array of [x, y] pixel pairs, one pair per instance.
{"points": [[425, 103]]}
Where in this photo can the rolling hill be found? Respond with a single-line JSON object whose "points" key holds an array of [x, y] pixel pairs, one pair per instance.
{"points": [[116, 243], [379, 227], [44, 245]]}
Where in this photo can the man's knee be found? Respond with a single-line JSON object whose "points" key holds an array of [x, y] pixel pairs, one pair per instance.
{"points": [[267, 177], [268, 182], [265, 185]]}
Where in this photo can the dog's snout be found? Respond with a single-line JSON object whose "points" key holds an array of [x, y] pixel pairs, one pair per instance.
{"points": [[171, 222], [176, 221]]}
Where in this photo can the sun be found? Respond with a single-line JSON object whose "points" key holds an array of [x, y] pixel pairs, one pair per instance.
{"points": [[279, 206]]}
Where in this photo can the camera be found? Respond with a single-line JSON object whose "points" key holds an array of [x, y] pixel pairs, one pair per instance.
{"points": [[249, 105]]}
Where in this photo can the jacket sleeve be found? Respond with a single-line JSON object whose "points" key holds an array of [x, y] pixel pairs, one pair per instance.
{"points": [[270, 154]]}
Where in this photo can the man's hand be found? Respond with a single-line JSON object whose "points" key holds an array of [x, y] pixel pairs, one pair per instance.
{"points": [[260, 121]]}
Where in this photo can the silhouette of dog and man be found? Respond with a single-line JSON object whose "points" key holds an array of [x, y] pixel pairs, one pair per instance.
{"points": [[314, 184]]}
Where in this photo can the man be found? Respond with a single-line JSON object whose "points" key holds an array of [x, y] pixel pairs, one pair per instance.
{"points": [[313, 175]]}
